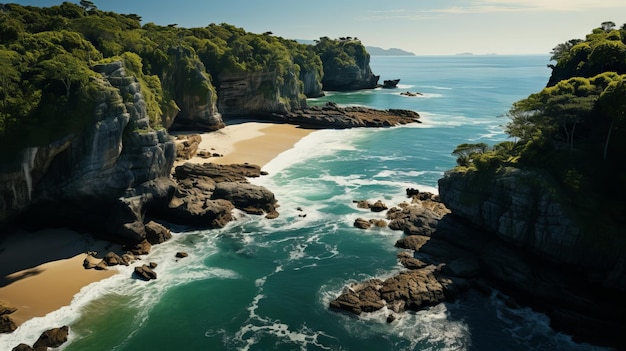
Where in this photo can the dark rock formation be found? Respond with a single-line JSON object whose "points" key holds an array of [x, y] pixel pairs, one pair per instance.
{"points": [[207, 193], [529, 247], [141, 248], [419, 218], [412, 290], [181, 254], [362, 223], [145, 272], [52, 337], [187, 146], [7, 324], [391, 83], [156, 233], [23, 347], [366, 224], [249, 198], [333, 116]]}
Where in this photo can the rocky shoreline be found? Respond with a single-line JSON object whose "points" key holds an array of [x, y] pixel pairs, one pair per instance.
{"points": [[445, 255]]}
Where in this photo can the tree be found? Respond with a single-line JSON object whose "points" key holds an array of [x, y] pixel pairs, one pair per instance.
{"points": [[66, 68], [465, 152], [563, 49], [88, 5], [608, 26], [613, 102]]}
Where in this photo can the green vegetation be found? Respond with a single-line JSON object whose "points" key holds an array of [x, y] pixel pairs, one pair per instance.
{"points": [[574, 130], [341, 55], [48, 88]]}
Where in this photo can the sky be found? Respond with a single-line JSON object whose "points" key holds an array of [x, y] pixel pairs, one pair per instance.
{"points": [[424, 27]]}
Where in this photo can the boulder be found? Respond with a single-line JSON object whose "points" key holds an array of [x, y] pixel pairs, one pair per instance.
{"points": [[23, 347], [181, 254], [157, 233], [362, 223], [412, 242], [378, 206], [113, 259], [145, 272], [358, 298], [52, 338], [91, 262], [250, 198], [412, 290], [7, 324], [187, 146], [141, 248], [410, 262]]}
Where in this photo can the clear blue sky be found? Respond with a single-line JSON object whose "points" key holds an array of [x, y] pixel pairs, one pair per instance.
{"points": [[425, 27]]}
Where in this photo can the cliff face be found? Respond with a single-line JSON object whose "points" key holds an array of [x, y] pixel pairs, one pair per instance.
{"points": [[193, 91], [258, 93], [353, 77], [118, 151], [516, 207], [312, 83]]}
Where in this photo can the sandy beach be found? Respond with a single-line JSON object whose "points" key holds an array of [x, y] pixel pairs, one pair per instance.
{"points": [[251, 142], [41, 272]]}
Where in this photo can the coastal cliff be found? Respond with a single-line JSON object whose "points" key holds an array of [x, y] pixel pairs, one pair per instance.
{"points": [[519, 208], [193, 90], [346, 65], [79, 173], [259, 93], [530, 246]]}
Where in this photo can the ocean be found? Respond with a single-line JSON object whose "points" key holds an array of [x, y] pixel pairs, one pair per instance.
{"points": [[263, 284]]}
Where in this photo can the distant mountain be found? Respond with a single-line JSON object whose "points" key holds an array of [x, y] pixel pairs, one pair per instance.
{"points": [[372, 50], [376, 51]]}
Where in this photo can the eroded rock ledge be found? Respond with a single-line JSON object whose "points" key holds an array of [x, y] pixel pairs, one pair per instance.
{"points": [[207, 193], [333, 116]]}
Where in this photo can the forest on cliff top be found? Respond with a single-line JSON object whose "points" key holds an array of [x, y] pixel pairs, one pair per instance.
{"points": [[47, 85], [574, 130]]}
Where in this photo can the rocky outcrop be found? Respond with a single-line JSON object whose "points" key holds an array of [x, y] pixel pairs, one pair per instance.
{"points": [[52, 338], [7, 324], [259, 93], [207, 193], [146, 272], [411, 290], [333, 116], [528, 246], [514, 206]]}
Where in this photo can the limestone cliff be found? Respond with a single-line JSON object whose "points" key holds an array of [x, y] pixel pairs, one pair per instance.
{"points": [[259, 93], [193, 92], [312, 83], [89, 172], [520, 208]]}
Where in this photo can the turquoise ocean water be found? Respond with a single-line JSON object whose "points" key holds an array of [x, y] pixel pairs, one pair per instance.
{"points": [[265, 284]]}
